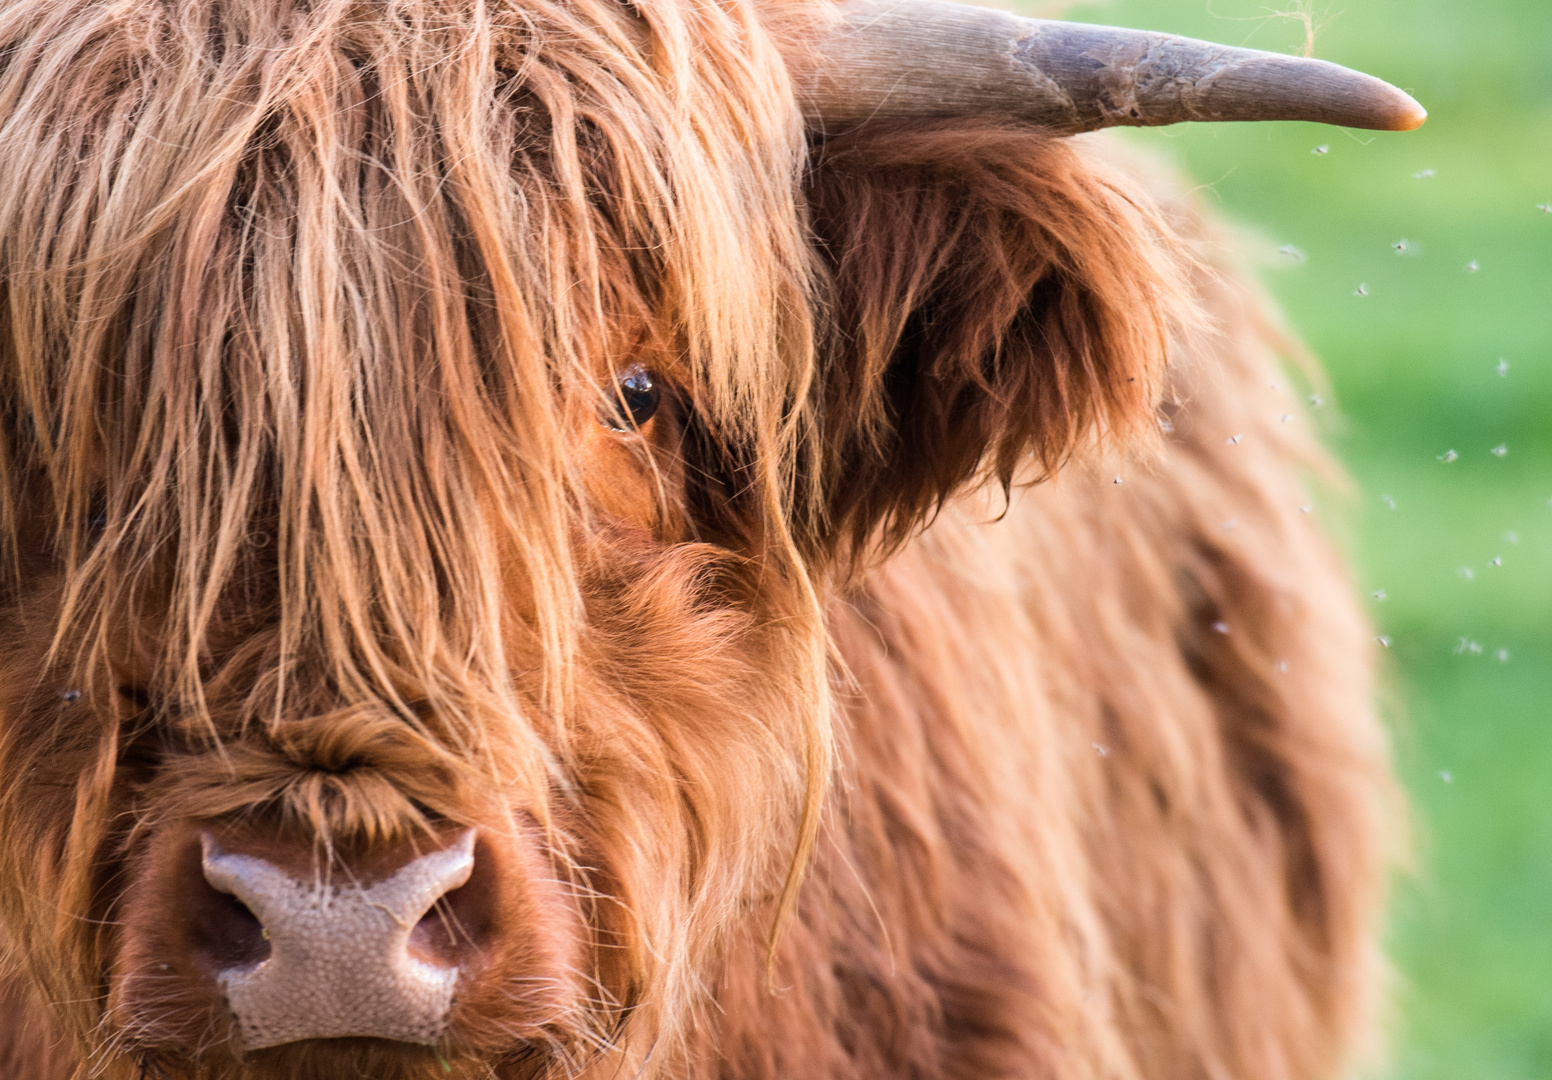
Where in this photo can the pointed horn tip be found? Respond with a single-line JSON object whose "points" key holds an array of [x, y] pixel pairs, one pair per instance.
{"points": [[1386, 107], [1409, 115]]}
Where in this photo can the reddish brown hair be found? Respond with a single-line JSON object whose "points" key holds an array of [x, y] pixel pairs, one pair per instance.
{"points": [[994, 297], [309, 525]]}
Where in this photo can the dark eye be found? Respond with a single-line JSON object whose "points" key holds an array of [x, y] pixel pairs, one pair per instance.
{"points": [[636, 399]]}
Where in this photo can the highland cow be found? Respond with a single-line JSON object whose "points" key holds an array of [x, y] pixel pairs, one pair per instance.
{"points": [[678, 539]]}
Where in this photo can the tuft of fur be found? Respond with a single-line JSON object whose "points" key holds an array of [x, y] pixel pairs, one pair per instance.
{"points": [[844, 720], [994, 297]]}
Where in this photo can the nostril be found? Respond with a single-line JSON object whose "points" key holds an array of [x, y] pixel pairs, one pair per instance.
{"points": [[440, 934], [223, 932], [462, 921]]}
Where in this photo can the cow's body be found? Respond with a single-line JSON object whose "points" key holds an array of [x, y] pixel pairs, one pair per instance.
{"points": [[1084, 780], [1080, 830]]}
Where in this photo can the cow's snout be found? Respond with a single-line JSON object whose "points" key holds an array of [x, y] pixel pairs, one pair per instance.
{"points": [[330, 954], [271, 938]]}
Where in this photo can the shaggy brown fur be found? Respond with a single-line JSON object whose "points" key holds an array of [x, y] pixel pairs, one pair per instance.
{"points": [[805, 739]]}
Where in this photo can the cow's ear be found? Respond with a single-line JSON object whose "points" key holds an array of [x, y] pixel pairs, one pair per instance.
{"points": [[996, 303]]}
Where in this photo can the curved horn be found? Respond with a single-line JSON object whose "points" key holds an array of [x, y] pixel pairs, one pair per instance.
{"points": [[927, 58]]}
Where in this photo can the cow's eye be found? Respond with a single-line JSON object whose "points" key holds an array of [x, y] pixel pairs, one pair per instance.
{"points": [[635, 399]]}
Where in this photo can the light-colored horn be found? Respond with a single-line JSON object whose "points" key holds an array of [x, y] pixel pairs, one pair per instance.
{"points": [[918, 59]]}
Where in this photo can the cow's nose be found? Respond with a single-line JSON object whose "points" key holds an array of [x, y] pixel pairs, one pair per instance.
{"points": [[343, 958]]}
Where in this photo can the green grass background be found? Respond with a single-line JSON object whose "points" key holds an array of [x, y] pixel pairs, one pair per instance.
{"points": [[1413, 369]]}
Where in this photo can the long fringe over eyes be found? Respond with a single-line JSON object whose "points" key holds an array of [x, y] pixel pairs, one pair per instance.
{"points": [[284, 273]]}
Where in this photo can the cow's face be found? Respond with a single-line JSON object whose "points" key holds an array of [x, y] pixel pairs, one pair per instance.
{"points": [[430, 439], [406, 657]]}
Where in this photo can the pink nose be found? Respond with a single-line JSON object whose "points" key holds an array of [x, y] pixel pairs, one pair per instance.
{"points": [[328, 955]]}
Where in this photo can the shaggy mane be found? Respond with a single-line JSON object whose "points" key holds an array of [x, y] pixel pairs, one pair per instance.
{"points": [[326, 284]]}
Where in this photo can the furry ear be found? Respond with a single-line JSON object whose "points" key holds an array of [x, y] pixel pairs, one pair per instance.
{"points": [[993, 298]]}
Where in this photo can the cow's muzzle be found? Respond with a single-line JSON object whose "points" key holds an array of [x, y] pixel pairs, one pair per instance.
{"points": [[240, 940], [344, 958]]}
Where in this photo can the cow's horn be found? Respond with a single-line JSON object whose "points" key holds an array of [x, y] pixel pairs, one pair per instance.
{"points": [[903, 59]]}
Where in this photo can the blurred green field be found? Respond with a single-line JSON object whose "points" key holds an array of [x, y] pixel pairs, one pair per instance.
{"points": [[1414, 365]]}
